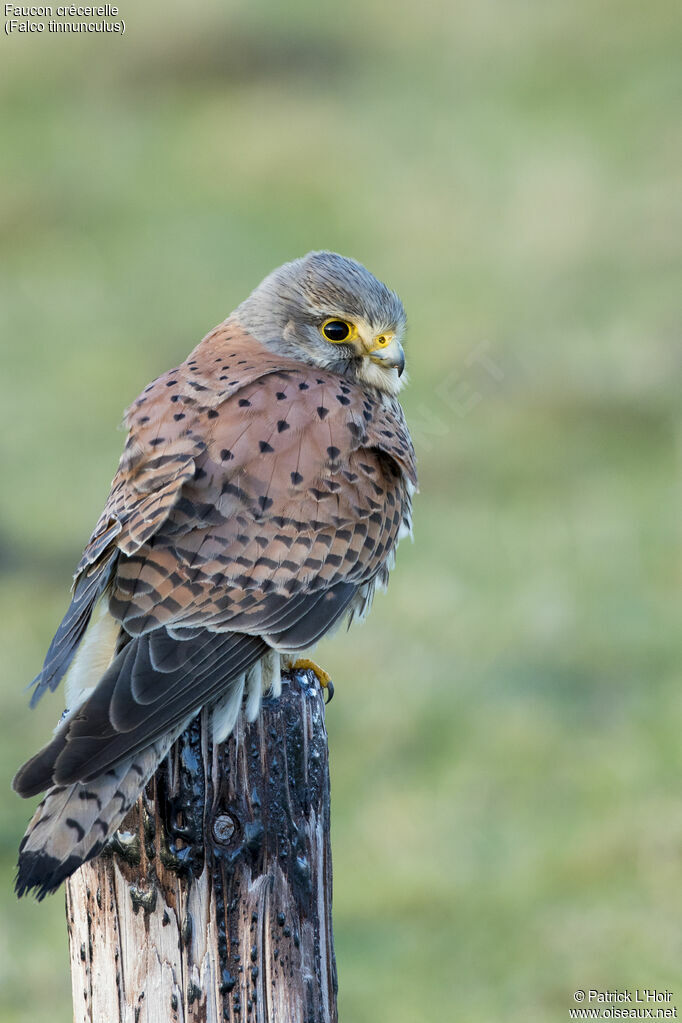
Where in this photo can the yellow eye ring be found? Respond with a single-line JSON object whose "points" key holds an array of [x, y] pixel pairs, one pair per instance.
{"points": [[338, 331]]}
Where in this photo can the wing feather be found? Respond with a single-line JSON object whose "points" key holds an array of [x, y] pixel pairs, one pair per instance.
{"points": [[114, 724]]}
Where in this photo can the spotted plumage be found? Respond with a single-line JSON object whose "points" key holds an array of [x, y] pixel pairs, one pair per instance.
{"points": [[262, 491]]}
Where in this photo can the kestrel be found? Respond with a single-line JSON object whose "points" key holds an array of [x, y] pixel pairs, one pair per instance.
{"points": [[264, 486]]}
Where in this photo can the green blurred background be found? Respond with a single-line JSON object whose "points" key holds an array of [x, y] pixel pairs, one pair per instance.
{"points": [[505, 738]]}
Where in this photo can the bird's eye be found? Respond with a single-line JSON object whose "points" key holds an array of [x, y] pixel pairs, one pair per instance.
{"points": [[336, 330]]}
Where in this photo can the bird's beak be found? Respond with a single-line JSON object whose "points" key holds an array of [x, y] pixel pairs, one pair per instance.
{"points": [[391, 356]]}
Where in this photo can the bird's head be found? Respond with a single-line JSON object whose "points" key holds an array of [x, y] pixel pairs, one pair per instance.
{"points": [[331, 312]]}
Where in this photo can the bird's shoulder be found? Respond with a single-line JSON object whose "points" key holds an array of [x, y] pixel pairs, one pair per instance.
{"points": [[232, 395], [236, 409]]}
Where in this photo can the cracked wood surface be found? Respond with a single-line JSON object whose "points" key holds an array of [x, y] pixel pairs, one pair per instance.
{"points": [[216, 901]]}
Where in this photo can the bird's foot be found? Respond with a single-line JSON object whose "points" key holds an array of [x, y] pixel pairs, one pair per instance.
{"points": [[323, 677]]}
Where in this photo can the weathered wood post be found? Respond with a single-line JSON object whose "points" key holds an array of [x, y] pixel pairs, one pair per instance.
{"points": [[216, 903]]}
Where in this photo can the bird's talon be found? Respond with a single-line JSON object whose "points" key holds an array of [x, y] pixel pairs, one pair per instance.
{"points": [[322, 676]]}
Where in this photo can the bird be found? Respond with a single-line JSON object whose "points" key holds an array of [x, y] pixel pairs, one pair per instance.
{"points": [[263, 489]]}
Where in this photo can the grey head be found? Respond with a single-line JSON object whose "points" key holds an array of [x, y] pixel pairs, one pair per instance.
{"points": [[329, 311]]}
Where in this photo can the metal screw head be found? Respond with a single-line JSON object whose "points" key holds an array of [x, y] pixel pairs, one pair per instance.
{"points": [[223, 828]]}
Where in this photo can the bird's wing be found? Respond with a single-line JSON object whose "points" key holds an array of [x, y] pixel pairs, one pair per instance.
{"points": [[301, 483], [157, 460], [251, 510]]}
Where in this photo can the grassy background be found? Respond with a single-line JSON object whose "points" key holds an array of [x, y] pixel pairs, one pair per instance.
{"points": [[505, 739]]}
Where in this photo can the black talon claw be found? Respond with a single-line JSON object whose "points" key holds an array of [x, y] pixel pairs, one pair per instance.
{"points": [[329, 688]]}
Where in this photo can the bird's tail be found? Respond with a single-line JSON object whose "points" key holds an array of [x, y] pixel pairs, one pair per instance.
{"points": [[76, 818], [73, 822]]}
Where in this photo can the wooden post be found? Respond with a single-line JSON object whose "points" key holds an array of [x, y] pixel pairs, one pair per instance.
{"points": [[216, 903]]}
